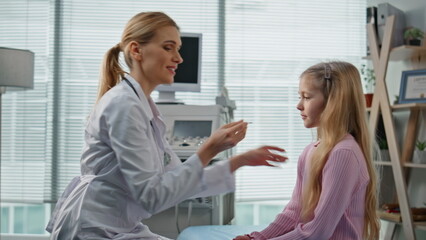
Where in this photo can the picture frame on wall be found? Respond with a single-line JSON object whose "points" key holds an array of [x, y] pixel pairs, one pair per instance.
{"points": [[413, 86]]}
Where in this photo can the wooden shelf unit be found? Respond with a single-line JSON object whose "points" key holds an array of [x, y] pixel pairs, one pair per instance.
{"points": [[400, 162], [409, 106], [383, 163], [396, 219], [420, 225], [405, 52]]}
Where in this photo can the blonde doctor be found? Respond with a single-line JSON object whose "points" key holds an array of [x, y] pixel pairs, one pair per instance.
{"points": [[129, 171]]}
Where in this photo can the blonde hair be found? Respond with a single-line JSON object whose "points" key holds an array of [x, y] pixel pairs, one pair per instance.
{"points": [[140, 28], [345, 104]]}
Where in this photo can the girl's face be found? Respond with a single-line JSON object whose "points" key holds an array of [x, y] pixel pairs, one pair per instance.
{"points": [[311, 103], [160, 57]]}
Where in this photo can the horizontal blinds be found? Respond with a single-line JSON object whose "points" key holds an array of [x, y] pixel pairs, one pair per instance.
{"points": [[88, 34], [85, 37], [25, 115], [268, 45]]}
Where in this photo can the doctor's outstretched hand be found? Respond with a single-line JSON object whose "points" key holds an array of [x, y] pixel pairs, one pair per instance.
{"points": [[262, 156], [227, 136]]}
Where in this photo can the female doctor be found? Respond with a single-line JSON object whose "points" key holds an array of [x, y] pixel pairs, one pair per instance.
{"points": [[129, 171]]}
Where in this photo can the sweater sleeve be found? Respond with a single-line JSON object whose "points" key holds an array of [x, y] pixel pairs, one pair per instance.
{"points": [[288, 218], [339, 181]]}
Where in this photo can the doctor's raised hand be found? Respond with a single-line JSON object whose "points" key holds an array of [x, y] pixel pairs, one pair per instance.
{"points": [[227, 136]]}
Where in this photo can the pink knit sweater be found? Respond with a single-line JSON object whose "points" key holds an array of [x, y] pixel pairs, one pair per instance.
{"points": [[340, 210]]}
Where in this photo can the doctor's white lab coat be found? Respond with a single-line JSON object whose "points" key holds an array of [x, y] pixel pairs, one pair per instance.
{"points": [[129, 172]]}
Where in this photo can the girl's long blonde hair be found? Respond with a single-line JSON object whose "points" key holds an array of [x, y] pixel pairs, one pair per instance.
{"points": [[140, 28], [344, 112]]}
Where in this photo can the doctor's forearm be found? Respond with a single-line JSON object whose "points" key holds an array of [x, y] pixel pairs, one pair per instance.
{"points": [[206, 153]]}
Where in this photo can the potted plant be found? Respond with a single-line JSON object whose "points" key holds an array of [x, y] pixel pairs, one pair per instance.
{"points": [[396, 100], [369, 81], [413, 36], [420, 151]]}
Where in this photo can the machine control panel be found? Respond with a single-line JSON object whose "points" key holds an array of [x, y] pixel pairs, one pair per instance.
{"points": [[189, 126], [190, 134]]}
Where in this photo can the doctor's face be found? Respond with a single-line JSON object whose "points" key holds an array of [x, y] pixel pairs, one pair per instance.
{"points": [[311, 103], [160, 57]]}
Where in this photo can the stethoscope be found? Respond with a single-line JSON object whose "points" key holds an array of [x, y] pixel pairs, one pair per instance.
{"points": [[134, 90]]}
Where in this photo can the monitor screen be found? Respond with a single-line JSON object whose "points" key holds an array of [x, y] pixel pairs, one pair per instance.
{"points": [[192, 128], [188, 74]]}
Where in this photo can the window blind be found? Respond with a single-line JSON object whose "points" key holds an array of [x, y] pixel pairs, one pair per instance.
{"points": [[25, 134], [268, 45], [88, 34], [85, 36]]}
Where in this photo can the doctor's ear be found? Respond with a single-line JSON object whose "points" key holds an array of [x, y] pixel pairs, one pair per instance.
{"points": [[135, 50]]}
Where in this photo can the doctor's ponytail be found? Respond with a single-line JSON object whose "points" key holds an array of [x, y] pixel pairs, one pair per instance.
{"points": [[111, 71]]}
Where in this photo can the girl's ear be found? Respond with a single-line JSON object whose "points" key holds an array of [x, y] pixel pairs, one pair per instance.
{"points": [[135, 50]]}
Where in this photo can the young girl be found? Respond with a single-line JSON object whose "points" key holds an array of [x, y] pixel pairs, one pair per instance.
{"points": [[335, 192]]}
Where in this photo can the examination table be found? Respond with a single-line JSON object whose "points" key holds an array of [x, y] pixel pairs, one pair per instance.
{"points": [[216, 232]]}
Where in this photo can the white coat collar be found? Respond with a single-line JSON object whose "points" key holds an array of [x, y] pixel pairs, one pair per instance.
{"points": [[146, 101]]}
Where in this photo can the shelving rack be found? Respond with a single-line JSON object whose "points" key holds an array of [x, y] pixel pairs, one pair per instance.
{"points": [[400, 163]]}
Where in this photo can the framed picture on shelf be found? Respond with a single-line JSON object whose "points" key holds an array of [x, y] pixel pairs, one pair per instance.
{"points": [[413, 86]]}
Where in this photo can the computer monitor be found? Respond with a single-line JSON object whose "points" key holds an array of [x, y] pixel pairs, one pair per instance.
{"points": [[188, 74]]}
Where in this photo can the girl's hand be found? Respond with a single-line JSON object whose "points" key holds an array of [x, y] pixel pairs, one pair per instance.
{"points": [[222, 139], [257, 157]]}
